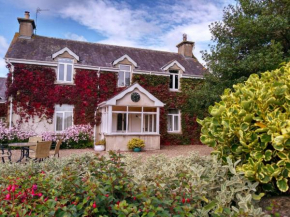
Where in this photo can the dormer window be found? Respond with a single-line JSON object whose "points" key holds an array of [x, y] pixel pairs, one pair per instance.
{"points": [[124, 76], [65, 70], [174, 80]]}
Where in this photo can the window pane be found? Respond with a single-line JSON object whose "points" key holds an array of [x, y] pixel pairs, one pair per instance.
{"points": [[173, 111], [125, 67], [173, 71], [68, 108], [176, 81], [121, 79], [125, 121], [61, 72], [119, 121], [66, 60], [59, 118], [145, 127], [171, 82], [67, 120], [169, 123], [69, 73], [127, 78], [176, 123]]}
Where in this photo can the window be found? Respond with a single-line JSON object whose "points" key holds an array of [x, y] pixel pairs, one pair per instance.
{"points": [[173, 120], [63, 117], [121, 122], [174, 80], [124, 76], [65, 70]]}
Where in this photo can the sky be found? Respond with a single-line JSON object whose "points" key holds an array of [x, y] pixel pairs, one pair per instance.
{"points": [[150, 24]]}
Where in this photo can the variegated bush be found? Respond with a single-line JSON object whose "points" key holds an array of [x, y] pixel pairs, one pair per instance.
{"points": [[252, 124], [88, 185]]}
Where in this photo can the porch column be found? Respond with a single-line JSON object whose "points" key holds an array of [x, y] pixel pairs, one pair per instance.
{"points": [[157, 120], [110, 119]]}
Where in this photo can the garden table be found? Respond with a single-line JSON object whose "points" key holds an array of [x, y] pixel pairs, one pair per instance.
{"points": [[23, 146]]}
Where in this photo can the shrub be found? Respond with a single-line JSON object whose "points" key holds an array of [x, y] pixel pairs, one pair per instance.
{"points": [[88, 185], [77, 136], [15, 134], [135, 143], [252, 124]]}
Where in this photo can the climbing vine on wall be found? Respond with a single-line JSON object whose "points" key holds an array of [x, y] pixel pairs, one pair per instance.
{"points": [[35, 94], [159, 87]]}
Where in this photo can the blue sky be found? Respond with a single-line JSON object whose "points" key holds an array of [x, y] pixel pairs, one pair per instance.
{"points": [[157, 25]]}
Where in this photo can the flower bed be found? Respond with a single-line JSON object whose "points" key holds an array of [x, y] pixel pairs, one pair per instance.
{"points": [[15, 134], [116, 186], [77, 136]]}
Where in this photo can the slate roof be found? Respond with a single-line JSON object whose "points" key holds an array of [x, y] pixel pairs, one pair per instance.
{"points": [[93, 54], [2, 89]]}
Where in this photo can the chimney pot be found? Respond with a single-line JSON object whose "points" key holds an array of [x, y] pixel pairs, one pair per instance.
{"points": [[27, 15], [184, 37]]}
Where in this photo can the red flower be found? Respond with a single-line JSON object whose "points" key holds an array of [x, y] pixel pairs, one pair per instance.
{"points": [[183, 200], [107, 195], [94, 205], [188, 200], [7, 197]]}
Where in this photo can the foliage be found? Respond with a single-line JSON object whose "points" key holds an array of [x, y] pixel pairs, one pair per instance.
{"points": [[252, 124], [14, 134], [101, 142], [87, 185], [253, 37], [35, 93], [3, 110], [135, 143], [158, 86], [75, 137]]}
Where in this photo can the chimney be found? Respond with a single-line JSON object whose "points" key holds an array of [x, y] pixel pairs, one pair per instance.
{"points": [[26, 26], [185, 47]]}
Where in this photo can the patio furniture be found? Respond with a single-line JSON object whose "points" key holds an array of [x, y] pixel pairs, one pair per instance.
{"points": [[23, 146], [41, 151], [5, 152], [34, 139], [56, 149]]}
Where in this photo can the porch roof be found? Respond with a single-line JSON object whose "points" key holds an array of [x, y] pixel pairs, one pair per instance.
{"points": [[113, 100]]}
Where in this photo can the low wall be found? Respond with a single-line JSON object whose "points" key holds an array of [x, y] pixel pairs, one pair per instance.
{"points": [[119, 142]]}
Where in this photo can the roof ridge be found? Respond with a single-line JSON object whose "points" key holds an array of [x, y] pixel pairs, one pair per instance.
{"points": [[95, 43]]}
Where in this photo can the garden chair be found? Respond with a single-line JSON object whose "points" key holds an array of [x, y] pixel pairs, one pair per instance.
{"points": [[5, 153], [56, 150], [41, 151], [34, 139]]}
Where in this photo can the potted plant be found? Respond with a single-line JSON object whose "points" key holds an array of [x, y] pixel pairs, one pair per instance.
{"points": [[136, 144], [100, 145]]}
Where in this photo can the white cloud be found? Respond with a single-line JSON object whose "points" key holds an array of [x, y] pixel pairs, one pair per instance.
{"points": [[3, 48], [74, 36], [156, 26]]}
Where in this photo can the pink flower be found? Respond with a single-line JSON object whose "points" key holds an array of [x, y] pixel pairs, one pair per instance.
{"points": [[7, 197]]}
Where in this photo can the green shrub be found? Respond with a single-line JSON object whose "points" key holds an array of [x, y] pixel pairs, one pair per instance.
{"points": [[88, 185], [252, 124], [135, 143]]}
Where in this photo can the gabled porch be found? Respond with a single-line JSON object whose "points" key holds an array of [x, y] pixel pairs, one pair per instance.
{"points": [[133, 113]]}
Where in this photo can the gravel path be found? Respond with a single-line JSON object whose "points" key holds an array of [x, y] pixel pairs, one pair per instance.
{"points": [[170, 151]]}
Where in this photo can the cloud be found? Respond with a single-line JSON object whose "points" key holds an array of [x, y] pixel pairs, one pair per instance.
{"points": [[137, 23], [74, 36], [3, 48]]}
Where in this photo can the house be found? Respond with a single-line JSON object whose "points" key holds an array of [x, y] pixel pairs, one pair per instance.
{"points": [[124, 92]]}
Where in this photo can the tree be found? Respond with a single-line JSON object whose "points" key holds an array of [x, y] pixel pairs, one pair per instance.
{"points": [[253, 36]]}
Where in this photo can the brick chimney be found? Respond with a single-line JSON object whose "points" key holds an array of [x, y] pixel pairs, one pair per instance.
{"points": [[185, 47], [26, 26]]}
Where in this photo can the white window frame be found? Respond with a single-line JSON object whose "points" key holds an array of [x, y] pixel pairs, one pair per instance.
{"points": [[63, 117], [173, 80], [173, 124], [130, 72], [65, 70]]}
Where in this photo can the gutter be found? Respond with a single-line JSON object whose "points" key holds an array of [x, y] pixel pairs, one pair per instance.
{"points": [[11, 98]]}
